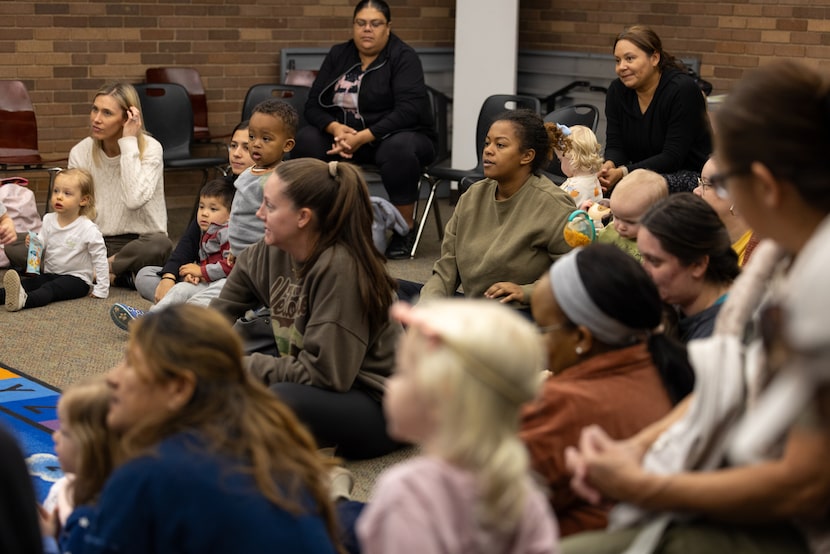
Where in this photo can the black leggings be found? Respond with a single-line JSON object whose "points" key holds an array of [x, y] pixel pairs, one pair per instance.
{"points": [[45, 289], [352, 421], [401, 158]]}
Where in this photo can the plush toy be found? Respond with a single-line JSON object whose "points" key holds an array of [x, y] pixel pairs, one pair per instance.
{"points": [[599, 212]]}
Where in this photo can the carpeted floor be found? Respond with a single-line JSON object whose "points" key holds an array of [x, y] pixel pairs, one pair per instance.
{"points": [[28, 408], [66, 342]]}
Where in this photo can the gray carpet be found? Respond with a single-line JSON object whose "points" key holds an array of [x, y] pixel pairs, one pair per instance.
{"points": [[68, 341]]}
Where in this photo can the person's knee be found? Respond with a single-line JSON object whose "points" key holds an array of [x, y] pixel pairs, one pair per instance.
{"points": [[146, 282], [311, 143], [406, 148], [17, 251]]}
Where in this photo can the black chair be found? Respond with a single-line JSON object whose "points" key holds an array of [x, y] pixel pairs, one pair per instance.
{"points": [[490, 109], [296, 95], [439, 103], [586, 115], [563, 94], [190, 79], [168, 117], [439, 106]]}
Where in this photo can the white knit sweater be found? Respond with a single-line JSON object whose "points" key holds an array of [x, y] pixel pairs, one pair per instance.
{"points": [[129, 191]]}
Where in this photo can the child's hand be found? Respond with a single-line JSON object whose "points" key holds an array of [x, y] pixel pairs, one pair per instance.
{"points": [[190, 269], [50, 524], [507, 292], [8, 234], [27, 240], [192, 280], [231, 260]]}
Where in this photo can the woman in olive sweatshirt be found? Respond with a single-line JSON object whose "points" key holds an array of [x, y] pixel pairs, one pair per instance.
{"points": [[329, 294]]}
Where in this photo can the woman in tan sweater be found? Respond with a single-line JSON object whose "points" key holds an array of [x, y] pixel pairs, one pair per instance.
{"points": [[508, 228]]}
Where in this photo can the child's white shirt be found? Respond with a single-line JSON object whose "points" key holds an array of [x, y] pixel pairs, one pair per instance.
{"points": [[582, 188], [59, 498], [77, 249]]}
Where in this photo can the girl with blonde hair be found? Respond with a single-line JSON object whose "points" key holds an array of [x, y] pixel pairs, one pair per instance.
{"points": [[464, 368], [73, 259], [580, 158], [87, 450]]}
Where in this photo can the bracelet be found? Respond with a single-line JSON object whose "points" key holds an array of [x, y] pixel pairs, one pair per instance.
{"points": [[168, 277], [624, 170]]}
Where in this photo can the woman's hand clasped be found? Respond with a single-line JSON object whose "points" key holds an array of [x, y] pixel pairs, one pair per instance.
{"points": [[609, 176], [603, 467], [347, 140]]}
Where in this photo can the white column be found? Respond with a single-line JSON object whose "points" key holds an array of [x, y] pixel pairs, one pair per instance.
{"points": [[486, 46]]}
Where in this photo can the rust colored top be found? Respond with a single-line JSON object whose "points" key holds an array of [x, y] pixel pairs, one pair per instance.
{"points": [[621, 391]]}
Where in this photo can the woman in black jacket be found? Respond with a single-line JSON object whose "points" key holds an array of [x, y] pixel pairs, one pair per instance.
{"points": [[656, 115], [369, 104]]}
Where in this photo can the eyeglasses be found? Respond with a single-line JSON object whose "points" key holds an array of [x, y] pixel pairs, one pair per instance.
{"points": [[374, 24], [707, 184], [718, 181], [545, 329]]}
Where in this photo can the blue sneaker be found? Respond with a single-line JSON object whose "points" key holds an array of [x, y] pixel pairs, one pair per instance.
{"points": [[122, 315]]}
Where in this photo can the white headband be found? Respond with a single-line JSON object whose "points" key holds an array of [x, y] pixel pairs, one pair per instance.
{"points": [[573, 298]]}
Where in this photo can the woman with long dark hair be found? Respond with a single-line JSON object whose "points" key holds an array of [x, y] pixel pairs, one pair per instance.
{"points": [[329, 293]]}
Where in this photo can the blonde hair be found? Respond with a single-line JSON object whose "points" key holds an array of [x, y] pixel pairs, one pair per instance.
{"points": [[86, 187], [583, 149], [85, 406], [235, 415], [126, 96], [479, 362], [649, 187]]}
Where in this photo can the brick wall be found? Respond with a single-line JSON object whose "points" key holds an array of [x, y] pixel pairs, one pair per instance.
{"points": [[64, 50], [728, 37]]}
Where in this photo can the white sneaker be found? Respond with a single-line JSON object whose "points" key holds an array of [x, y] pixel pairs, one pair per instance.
{"points": [[341, 484], [15, 295]]}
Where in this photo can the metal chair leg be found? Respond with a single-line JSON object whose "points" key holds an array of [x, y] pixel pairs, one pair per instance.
{"points": [[423, 221]]}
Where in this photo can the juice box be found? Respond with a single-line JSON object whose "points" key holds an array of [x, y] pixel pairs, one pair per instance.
{"points": [[34, 258]]}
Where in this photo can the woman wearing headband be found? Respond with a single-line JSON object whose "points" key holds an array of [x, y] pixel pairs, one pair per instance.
{"points": [[329, 296], [610, 365]]}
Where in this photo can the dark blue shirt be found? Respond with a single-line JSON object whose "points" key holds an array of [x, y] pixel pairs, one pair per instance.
{"points": [[183, 499]]}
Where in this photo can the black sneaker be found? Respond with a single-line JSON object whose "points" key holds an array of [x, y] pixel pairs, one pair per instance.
{"points": [[400, 246], [124, 280]]}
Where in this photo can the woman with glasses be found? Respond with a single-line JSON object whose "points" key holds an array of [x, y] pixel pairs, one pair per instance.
{"points": [[656, 114], [369, 104], [715, 194], [678, 490], [688, 253], [610, 364], [153, 282]]}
